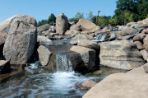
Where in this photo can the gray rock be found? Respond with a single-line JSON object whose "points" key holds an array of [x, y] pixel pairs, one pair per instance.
{"points": [[120, 54], [44, 55], [88, 44], [84, 56], [21, 40], [42, 40], [121, 85], [3, 36], [126, 32], [78, 38], [42, 28], [76, 27], [62, 24], [103, 36]]}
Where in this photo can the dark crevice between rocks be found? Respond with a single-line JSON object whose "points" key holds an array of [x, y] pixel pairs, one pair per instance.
{"points": [[1, 52], [35, 55]]}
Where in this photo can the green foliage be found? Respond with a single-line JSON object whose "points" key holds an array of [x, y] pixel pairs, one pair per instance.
{"points": [[113, 21], [131, 10], [101, 20], [126, 11], [42, 22], [77, 16], [51, 19]]}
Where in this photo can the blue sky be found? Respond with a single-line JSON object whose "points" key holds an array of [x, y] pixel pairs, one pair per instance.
{"points": [[40, 9]]}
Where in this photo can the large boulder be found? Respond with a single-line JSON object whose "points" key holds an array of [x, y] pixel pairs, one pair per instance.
{"points": [[62, 24], [126, 32], [120, 54], [121, 85], [21, 40], [87, 26], [42, 28], [84, 56]]}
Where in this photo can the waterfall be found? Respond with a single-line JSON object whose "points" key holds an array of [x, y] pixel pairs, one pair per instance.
{"points": [[63, 62], [61, 50]]}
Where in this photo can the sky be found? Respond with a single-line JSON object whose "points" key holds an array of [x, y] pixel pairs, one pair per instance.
{"points": [[41, 9]]}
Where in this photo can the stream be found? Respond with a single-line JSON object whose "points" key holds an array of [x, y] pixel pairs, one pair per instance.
{"points": [[48, 85]]}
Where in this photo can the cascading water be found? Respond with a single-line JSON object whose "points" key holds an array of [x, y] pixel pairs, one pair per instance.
{"points": [[61, 84], [63, 63]]}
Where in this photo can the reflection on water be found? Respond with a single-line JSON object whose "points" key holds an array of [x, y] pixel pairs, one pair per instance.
{"points": [[44, 85], [48, 85]]}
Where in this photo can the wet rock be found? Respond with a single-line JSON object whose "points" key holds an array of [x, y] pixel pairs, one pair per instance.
{"points": [[103, 36], [120, 85], [87, 84], [84, 56], [33, 68], [44, 55], [120, 54], [62, 24], [21, 40]]}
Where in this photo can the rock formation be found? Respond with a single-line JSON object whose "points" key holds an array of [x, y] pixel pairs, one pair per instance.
{"points": [[21, 40]]}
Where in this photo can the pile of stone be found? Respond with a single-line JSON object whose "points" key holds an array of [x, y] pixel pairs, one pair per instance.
{"points": [[121, 47]]}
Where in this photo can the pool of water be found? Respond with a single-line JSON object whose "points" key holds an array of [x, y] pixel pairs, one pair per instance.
{"points": [[43, 85], [47, 85]]}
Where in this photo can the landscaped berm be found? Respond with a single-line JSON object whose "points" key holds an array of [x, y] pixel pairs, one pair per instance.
{"points": [[85, 56]]}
